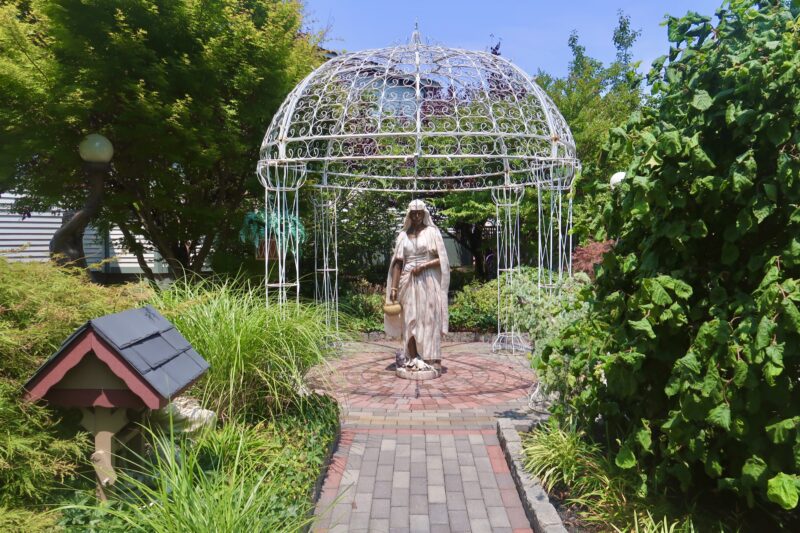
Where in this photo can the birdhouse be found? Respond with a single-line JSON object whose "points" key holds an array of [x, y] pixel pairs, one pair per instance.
{"points": [[135, 359]]}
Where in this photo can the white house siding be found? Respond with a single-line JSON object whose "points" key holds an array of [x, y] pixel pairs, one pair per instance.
{"points": [[29, 240]]}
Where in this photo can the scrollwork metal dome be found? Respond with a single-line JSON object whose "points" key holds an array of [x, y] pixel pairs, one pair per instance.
{"points": [[420, 117]]}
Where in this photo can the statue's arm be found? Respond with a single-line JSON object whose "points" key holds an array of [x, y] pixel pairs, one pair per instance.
{"points": [[432, 263], [397, 268]]}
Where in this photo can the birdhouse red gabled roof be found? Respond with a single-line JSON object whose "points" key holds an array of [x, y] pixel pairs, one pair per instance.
{"points": [[139, 346]]}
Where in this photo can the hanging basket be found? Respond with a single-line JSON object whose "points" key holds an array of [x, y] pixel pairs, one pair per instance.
{"points": [[273, 251]]}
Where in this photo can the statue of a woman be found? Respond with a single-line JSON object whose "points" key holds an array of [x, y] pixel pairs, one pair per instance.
{"points": [[419, 276]]}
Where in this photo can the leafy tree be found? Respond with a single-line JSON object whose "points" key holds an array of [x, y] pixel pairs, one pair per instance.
{"points": [[691, 354], [594, 99], [184, 90]]}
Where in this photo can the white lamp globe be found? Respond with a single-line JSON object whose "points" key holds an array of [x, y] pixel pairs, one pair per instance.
{"points": [[617, 178], [94, 148]]}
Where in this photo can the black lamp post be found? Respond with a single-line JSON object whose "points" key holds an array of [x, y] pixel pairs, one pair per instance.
{"points": [[66, 246]]}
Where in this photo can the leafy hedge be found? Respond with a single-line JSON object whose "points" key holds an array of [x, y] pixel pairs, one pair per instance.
{"points": [[690, 356]]}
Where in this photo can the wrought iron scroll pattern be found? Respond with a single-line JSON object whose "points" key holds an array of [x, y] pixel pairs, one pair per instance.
{"points": [[420, 117]]}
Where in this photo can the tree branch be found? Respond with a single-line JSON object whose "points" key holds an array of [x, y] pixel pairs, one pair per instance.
{"points": [[136, 247]]}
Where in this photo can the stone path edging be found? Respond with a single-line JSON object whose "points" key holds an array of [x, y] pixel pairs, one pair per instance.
{"points": [[541, 513]]}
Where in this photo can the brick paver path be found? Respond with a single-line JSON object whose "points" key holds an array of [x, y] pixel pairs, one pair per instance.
{"points": [[422, 456]]}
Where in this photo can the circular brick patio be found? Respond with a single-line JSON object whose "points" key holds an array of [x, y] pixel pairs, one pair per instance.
{"points": [[468, 381]]}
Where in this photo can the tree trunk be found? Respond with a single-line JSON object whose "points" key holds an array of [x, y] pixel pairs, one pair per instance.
{"points": [[200, 256], [470, 236], [66, 246], [476, 241], [137, 249]]}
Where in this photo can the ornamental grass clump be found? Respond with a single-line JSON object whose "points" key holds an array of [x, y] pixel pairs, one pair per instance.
{"points": [[602, 496], [234, 478], [258, 354]]}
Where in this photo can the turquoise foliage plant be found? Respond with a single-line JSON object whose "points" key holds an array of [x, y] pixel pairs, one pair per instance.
{"points": [[689, 358], [255, 223]]}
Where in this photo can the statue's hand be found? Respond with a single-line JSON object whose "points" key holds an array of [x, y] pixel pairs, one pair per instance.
{"points": [[393, 295]]}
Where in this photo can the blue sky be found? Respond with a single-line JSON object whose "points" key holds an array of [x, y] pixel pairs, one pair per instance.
{"points": [[534, 32]]}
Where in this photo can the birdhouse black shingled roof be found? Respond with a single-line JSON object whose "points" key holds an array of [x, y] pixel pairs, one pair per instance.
{"points": [[150, 344]]}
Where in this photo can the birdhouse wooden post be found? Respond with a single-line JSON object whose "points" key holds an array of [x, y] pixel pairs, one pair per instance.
{"points": [[135, 359]]}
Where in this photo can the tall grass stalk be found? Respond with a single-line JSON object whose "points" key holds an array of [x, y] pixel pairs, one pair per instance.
{"points": [[224, 482], [258, 355], [564, 458]]}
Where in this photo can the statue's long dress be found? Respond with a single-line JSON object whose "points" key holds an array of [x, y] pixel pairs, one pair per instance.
{"points": [[423, 296]]}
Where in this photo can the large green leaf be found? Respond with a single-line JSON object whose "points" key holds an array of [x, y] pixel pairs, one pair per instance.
{"points": [[701, 100], [720, 416], [625, 458], [783, 490]]}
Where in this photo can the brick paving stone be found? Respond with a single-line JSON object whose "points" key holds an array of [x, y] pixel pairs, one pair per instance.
{"points": [[379, 525], [418, 504], [436, 494], [498, 517], [492, 497], [383, 489], [459, 520], [517, 517], [421, 456], [436, 477], [398, 517], [456, 501], [380, 508], [472, 490], [384, 473], [476, 509], [359, 521], [480, 525], [419, 523], [452, 483], [400, 497]]}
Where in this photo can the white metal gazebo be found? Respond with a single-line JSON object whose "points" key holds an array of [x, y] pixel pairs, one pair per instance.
{"points": [[419, 119]]}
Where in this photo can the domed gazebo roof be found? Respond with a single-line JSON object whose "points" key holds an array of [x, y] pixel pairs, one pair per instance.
{"points": [[421, 117]]}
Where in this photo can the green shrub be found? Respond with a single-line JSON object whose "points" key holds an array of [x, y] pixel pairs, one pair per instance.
{"points": [[690, 355], [30, 521], [41, 305], [363, 311], [474, 308], [35, 458], [258, 355], [544, 313], [235, 478]]}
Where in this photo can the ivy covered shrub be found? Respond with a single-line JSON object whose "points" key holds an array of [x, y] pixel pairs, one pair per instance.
{"points": [[689, 358]]}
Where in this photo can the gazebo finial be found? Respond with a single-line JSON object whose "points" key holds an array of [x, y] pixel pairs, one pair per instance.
{"points": [[415, 37]]}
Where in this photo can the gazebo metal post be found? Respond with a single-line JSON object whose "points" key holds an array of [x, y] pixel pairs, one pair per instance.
{"points": [[555, 232], [507, 201], [282, 183], [326, 254]]}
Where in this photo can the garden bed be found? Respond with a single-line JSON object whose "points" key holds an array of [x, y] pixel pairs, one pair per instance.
{"points": [[258, 469]]}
